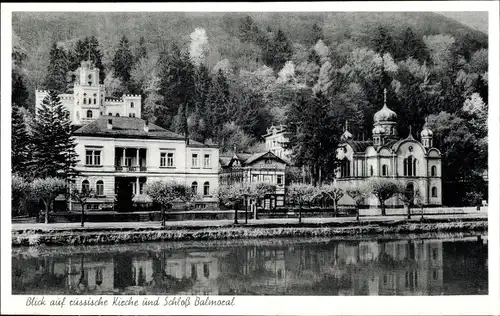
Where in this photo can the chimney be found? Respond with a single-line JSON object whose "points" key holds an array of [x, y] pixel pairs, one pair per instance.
{"points": [[146, 126], [110, 124]]}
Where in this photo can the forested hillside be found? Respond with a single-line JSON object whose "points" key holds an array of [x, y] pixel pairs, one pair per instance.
{"points": [[226, 77]]}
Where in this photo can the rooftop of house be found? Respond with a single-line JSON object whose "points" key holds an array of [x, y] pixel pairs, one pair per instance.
{"points": [[247, 158], [131, 127]]}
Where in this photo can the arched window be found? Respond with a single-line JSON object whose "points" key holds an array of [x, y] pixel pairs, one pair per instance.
{"points": [[371, 170], [110, 114], [84, 100], [117, 114], [89, 114], [434, 192], [384, 170], [130, 115], [95, 100], [433, 171], [345, 168], [132, 104], [85, 186], [133, 114], [410, 166], [194, 187], [206, 188], [99, 187]]}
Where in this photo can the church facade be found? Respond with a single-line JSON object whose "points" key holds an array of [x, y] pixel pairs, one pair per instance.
{"points": [[413, 163]]}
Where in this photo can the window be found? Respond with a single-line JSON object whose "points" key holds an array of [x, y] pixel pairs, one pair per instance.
{"points": [[166, 159], [170, 159], [93, 157], [280, 179], [384, 170], [89, 114], [345, 168], [128, 161], [101, 112], [95, 101], [433, 171], [194, 160], [206, 161], [132, 104], [410, 166], [110, 114], [371, 170], [84, 100], [133, 114], [206, 188], [434, 192], [163, 159], [194, 187], [206, 270], [117, 114], [194, 274], [85, 186], [255, 178], [130, 115], [99, 188]]}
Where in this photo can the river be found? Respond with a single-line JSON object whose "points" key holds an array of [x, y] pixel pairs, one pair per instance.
{"points": [[398, 265]]}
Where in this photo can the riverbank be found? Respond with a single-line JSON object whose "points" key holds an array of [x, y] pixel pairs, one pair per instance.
{"points": [[113, 233]]}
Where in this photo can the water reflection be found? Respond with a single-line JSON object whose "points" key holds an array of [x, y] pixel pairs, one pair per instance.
{"points": [[395, 267]]}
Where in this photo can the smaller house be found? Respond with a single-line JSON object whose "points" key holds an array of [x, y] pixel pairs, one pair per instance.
{"points": [[252, 169]]}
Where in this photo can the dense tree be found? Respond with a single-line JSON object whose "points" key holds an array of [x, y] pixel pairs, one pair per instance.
{"points": [[19, 89], [142, 50], [57, 70], [383, 42], [314, 134], [413, 46], [20, 194], [316, 33], [219, 104], [54, 147], [21, 145], [87, 49], [123, 60]]}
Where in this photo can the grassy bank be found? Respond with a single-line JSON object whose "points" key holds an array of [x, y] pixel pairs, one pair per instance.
{"points": [[98, 236]]}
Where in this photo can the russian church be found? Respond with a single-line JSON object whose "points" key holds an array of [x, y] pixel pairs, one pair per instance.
{"points": [[88, 101], [414, 163]]}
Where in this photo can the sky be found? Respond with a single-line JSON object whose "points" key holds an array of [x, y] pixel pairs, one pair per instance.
{"points": [[476, 20]]}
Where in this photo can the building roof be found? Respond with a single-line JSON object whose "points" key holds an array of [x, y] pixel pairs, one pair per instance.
{"points": [[130, 127], [359, 146], [246, 158]]}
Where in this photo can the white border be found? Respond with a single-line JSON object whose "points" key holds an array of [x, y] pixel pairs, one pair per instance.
{"points": [[279, 305]]}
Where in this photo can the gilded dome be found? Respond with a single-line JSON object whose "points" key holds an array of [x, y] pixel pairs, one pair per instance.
{"points": [[426, 132], [378, 130], [385, 114]]}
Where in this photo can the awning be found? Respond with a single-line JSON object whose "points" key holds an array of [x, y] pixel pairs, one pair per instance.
{"points": [[142, 198]]}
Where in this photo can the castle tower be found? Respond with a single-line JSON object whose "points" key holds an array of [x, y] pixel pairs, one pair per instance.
{"points": [[88, 94], [386, 120]]}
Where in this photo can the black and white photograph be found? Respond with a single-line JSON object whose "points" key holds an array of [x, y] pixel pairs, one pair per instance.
{"points": [[189, 158]]}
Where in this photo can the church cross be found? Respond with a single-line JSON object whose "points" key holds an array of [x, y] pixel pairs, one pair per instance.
{"points": [[346, 125], [410, 130], [385, 96]]}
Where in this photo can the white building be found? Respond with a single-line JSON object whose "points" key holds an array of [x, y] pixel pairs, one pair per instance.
{"points": [[123, 153], [415, 164], [275, 140], [118, 152], [88, 100]]}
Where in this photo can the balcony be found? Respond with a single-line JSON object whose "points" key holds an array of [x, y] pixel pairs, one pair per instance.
{"points": [[131, 168]]}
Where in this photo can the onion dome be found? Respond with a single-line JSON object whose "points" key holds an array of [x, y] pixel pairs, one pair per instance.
{"points": [[347, 135], [426, 132], [385, 114], [378, 130]]}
